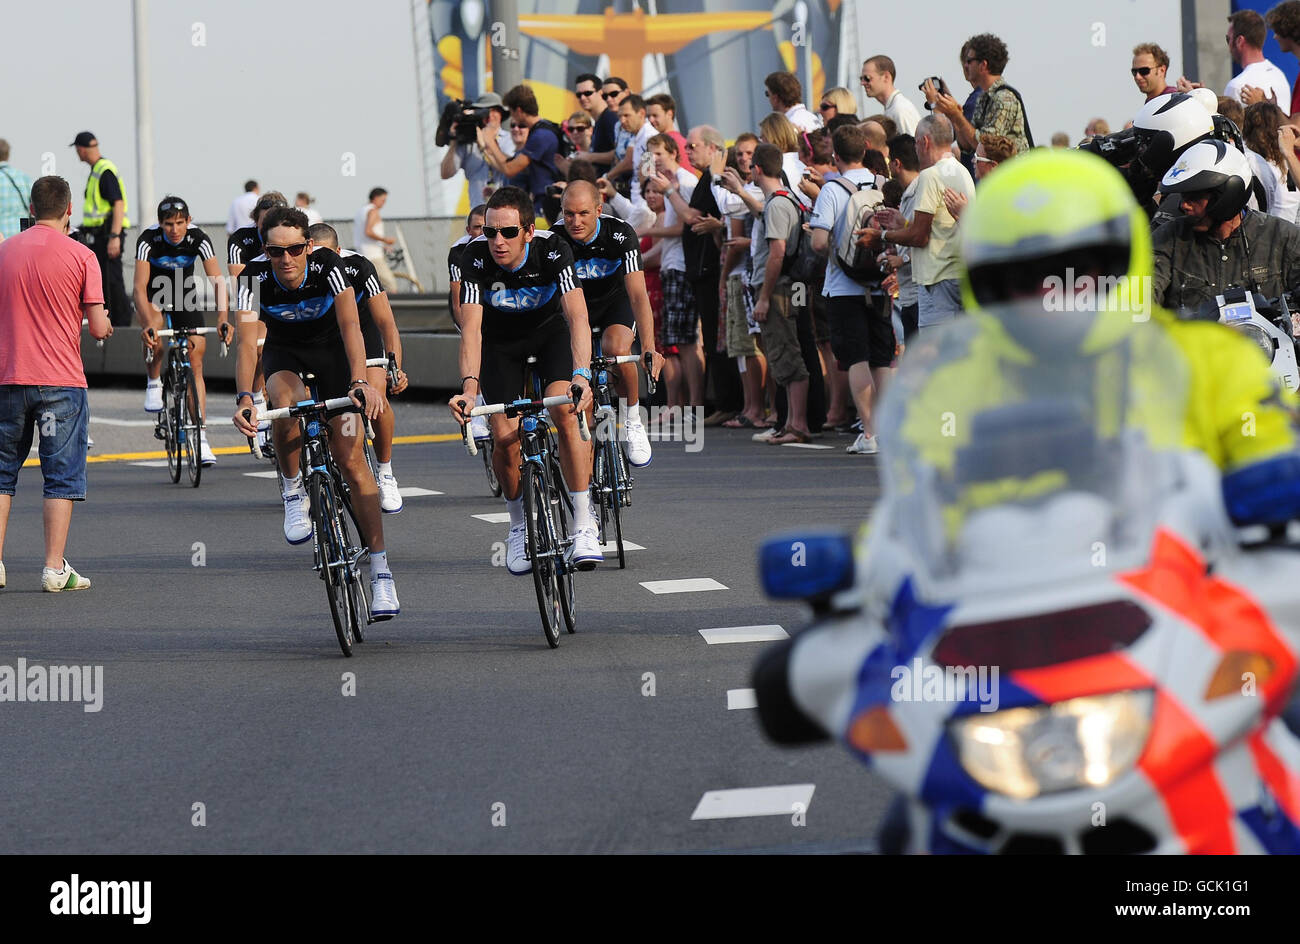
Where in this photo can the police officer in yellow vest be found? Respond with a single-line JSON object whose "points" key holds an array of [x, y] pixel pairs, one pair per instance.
{"points": [[103, 224]]}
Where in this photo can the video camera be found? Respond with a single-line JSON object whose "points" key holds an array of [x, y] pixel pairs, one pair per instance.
{"points": [[467, 119], [940, 86], [1117, 149]]}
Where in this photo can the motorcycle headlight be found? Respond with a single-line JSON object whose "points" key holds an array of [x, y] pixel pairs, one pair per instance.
{"points": [[1083, 742], [1259, 336]]}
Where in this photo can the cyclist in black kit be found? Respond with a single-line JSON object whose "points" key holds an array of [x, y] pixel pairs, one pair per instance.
{"points": [[607, 260], [520, 298], [312, 325], [166, 284]]}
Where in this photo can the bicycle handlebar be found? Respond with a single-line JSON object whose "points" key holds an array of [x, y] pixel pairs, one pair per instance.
{"points": [[305, 409], [169, 332]]}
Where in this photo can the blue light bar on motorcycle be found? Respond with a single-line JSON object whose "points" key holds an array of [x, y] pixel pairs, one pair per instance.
{"points": [[800, 566]]}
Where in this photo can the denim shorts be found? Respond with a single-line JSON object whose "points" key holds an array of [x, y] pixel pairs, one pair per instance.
{"points": [[61, 415]]}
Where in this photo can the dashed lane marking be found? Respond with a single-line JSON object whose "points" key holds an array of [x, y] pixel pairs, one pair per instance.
{"points": [[741, 698], [688, 585], [784, 800], [726, 634]]}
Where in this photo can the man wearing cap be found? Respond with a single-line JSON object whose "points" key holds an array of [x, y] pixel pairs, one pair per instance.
{"points": [[482, 178], [103, 224]]}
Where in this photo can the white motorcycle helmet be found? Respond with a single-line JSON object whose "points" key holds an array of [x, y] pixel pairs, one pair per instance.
{"points": [[1169, 124], [1213, 167]]}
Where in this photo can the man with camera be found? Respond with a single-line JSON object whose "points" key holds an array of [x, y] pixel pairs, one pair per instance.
{"points": [[536, 158], [1000, 110], [463, 128], [103, 224]]}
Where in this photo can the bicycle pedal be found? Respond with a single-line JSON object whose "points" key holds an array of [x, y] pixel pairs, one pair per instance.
{"points": [[159, 433]]}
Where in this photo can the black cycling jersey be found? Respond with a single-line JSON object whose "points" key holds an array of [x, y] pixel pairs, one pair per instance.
{"points": [[364, 281], [454, 256], [244, 245], [602, 262], [518, 303], [303, 314], [171, 267]]}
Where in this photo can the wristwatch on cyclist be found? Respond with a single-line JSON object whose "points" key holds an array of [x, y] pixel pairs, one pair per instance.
{"points": [[244, 393], [582, 372], [358, 383]]}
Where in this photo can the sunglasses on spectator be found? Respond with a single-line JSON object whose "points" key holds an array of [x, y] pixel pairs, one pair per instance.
{"points": [[509, 232], [614, 94], [587, 94], [518, 124], [864, 79], [1144, 71], [275, 252], [984, 160], [825, 106]]}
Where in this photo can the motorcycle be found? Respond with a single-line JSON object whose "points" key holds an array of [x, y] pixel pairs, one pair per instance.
{"points": [[1270, 323], [1052, 639]]}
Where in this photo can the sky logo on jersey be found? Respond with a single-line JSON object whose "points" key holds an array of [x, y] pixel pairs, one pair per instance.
{"points": [[173, 262], [309, 309], [521, 299], [589, 269]]}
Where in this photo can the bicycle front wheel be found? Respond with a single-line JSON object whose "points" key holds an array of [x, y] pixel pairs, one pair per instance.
{"points": [[358, 601], [562, 516], [494, 486], [325, 519], [193, 420], [541, 549]]}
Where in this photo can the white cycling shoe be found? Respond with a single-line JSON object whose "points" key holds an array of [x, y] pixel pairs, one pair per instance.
{"points": [[586, 549], [297, 521], [516, 544], [153, 401], [390, 498], [638, 443], [383, 598], [478, 428], [206, 458]]}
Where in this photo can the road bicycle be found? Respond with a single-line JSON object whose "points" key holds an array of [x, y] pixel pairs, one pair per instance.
{"points": [[180, 424]]}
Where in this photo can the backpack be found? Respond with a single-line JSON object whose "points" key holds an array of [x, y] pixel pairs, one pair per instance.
{"points": [[801, 264], [1024, 113], [857, 262]]}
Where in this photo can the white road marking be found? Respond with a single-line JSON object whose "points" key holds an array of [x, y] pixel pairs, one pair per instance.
{"points": [[413, 491], [107, 421], [611, 547], [261, 475], [153, 463], [755, 801], [689, 585], [741, 698], [723, 634], [496, 517], [806, 446]]}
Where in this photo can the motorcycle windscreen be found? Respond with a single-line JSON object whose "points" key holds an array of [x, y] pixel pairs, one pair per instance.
{"points": [[1007, 467]]}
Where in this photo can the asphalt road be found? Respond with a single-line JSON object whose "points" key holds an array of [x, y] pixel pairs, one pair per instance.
{"points": [[223, 684]]}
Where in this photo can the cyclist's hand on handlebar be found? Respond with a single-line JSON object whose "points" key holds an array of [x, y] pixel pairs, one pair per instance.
{"points": [[460, 405], [402, 381], [246, 420], [151, 340], [225, 331], [370, 400], [656, 365], [584, 404]]}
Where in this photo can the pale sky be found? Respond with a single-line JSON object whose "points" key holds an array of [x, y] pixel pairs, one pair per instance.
{"points": [[279, 93]]}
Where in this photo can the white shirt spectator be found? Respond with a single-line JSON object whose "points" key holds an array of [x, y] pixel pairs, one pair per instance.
{"points": [[827, 215], [639, 142], [241, 211], [313, 217], [938, 260], [633, 212], [478, 172], [802, 118], [794, 169], [671, 257], [1282, 203], [902, 112], [1262, 75], [370, 248]]}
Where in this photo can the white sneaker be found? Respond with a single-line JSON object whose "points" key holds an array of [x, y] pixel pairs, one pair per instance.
{"points": [[206, 458], [90, 444], [153, 397], [586, 549], [383, 598], [478, 428], [638, 443], [56, 581], [516, 544], [863, 446], [770, 433], [297, 522], [390, 499]]}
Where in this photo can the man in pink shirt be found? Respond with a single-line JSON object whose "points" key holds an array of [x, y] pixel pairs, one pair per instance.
{"points": [[48, 283]]}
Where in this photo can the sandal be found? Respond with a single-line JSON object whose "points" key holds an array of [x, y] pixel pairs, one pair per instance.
{"points": [[789, 436], [739, 421]]}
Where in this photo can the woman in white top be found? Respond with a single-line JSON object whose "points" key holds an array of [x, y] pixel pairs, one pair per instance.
{"points": [[1260, 131], [304, 202], [776, 129], [369, 239]]}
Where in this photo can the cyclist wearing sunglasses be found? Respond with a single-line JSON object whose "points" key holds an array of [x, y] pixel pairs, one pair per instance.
{"points": [[519, 298], [380, 333], [312, 325], [171, 247], [607, 260]]}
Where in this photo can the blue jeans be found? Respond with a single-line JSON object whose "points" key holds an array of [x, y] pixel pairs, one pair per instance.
{"points": [[62, 415]]}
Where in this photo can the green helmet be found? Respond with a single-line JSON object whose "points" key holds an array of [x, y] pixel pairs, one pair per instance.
{"points": [[1054, 245]]}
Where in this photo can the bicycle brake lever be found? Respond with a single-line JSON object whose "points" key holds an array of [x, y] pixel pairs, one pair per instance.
{"points": [[583, 429], [649, 361], [470, 446]]}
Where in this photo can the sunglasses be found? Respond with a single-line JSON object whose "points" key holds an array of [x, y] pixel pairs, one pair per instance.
{"points": [[585, 94], [275, 252], [173, 205], [864, 79], [984, 160], [509, 232], [518, 124], [825, 106], [611, 94], [1144, 71]]}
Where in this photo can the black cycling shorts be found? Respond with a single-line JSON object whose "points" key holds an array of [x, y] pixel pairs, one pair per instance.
{"points": [[370, 334], [183, 319], [329, 362], [616, 310], [502, 376]]}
